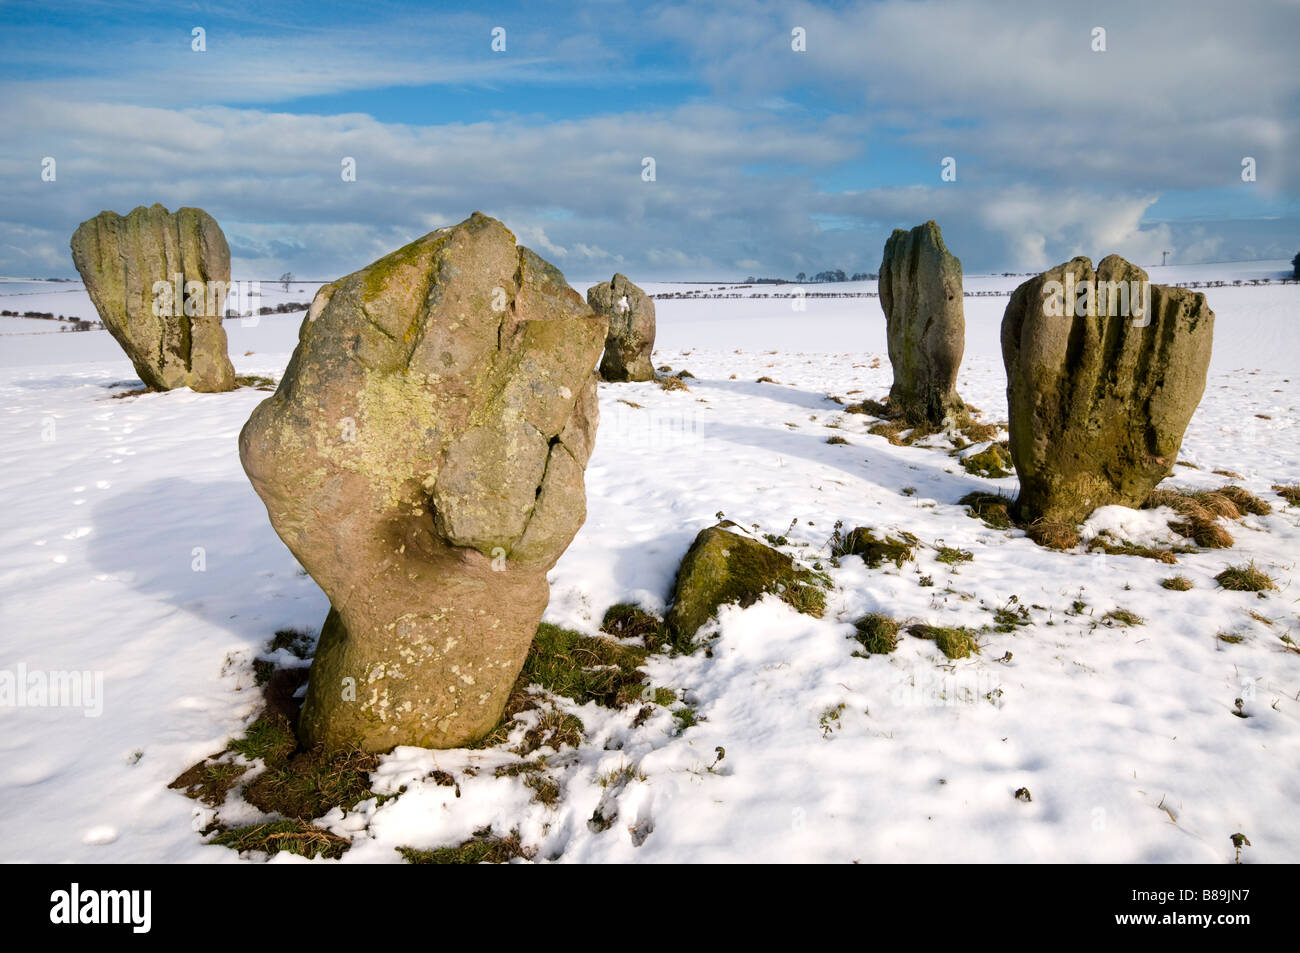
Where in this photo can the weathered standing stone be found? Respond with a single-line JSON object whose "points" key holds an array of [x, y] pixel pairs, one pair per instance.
{"points": [[920, 291], [1099, 394], [423, 458], [631, 314], [121, 258]]}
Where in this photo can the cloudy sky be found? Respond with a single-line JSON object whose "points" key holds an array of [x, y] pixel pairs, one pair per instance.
{"points": [[767, 160]]}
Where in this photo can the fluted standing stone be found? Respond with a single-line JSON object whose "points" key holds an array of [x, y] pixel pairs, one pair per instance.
{"points": [[1104, 372], [423, 458], [138, 270], [631, 339], [920, 291]]}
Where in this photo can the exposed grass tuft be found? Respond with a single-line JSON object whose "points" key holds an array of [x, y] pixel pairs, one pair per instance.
{"points": [[1177, 583], [209, 781], [1204, 532], [297, 642], [873, 408], [554, 728], [953, 557], [311, 783], [583, 668], [1246, 501], [1053, 534], [1123, 547], [1123, 617], [1289, 493], [269, 738], [480, 850], [805, 598], [1248, 578], [297, 837], [877, 633], [255, 380], [628, 621]]}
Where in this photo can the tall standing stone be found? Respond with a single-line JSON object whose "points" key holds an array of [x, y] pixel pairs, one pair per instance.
{"points": [[920, 291], [423, 459], [1104, 372], [631, 340], [173, 334]]}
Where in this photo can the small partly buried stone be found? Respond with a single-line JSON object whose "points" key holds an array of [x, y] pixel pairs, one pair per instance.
{"points": [[631, 339], [925, 322], [423, 459], [1104, 372], [123, 258], [723, 567]]}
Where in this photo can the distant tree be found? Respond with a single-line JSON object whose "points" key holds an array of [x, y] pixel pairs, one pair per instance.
{"points": [[802, 277], [285, 279], [1295, 265]]}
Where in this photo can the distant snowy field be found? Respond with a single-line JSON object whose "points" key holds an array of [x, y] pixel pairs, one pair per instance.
{"points": [[1124, 736]]}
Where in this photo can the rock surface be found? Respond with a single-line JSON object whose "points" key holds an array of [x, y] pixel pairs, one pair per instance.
{"points": [[631, 338], [121, 258], [1099, 400], [423, 458], [724, 567], [921, 294]]}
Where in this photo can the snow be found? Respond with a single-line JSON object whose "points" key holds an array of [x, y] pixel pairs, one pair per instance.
{"points": [[114, 507]]}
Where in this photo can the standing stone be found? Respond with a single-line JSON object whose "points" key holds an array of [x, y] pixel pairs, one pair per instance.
{"points": [[173, 341], [920, 291], [631, 314], [423, 459], [1101, 383]]}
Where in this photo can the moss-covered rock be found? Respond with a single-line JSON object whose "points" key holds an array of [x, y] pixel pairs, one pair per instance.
{"points": [[993, 462], [724, 567], [875, 552], [133, 266], [921, 294], [1099, 393], [423, 459], [953, 641]]}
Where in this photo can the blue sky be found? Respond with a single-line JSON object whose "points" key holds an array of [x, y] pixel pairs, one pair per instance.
{"points": [[769, 161]]}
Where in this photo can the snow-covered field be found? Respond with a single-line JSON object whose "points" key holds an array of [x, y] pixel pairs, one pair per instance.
{"points": [[1124, 735]]}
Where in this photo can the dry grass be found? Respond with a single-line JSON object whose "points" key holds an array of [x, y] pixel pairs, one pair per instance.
{"points": [[1122, 547], [296, 837], [873, 408], [1202, 510], [1289, 493], [1053, 534], [1247, 578], [1124, 617], [1204, 532]]}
